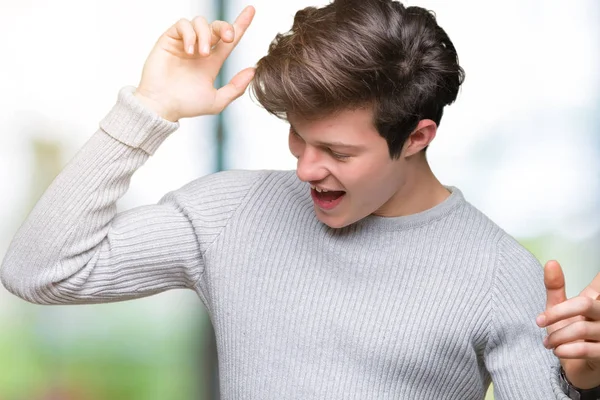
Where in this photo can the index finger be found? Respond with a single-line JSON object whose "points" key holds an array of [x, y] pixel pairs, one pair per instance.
{"points": [[241, 24]]}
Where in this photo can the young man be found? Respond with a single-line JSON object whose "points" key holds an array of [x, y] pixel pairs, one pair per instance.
{"points": [[358, 276]]}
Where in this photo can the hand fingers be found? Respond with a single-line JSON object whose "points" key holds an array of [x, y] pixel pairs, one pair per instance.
{"points": [[593, 289], [204, 34], [207, 36], [199, 32], [240, 26], [579, 306], [184, 31], [234, 89], [221, 30], [580, 350], [554, 280], [579, 330]]}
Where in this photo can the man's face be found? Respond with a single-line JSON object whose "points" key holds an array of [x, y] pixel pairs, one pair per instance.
{"points": [[345, 155]]}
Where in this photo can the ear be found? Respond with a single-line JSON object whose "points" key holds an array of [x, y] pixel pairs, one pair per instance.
{"points": [[421, 137]]}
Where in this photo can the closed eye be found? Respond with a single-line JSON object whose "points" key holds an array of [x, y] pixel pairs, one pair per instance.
{"points": [[338, 156]]}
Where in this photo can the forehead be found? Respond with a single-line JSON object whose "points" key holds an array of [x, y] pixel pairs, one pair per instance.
{"points": [[354, 125]]}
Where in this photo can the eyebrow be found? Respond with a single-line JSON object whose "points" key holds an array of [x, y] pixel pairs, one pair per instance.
{"points": [[335, 144]]}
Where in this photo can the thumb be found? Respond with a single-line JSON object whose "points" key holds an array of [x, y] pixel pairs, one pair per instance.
{"points": [[554, 280], [234, 89]]}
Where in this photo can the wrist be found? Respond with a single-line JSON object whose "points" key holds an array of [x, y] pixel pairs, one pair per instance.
{"points": [[154, 105], [586, 381], [587, 392]]}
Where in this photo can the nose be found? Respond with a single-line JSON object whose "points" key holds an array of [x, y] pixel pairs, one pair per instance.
{"points": [[310, 167]]}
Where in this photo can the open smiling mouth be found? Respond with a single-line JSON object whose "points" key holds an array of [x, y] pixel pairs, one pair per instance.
{"points": [[326, 199]]}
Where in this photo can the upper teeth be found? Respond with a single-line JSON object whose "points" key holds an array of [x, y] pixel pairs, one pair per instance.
{"points": [[318, 190]]}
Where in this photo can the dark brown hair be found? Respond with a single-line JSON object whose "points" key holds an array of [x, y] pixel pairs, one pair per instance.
{"points": [[362, 53]]}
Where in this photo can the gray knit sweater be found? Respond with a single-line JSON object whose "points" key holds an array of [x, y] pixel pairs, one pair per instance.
{"points": [[434, 305]]}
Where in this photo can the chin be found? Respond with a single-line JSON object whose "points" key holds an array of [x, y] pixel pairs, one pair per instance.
{"points": [[332, 221]]}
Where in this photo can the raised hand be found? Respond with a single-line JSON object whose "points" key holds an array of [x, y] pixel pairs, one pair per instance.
{"points": [[179, 74], [573, 327]]}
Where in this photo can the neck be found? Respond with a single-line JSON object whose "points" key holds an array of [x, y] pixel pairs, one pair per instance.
{"points": [[420, 191]]}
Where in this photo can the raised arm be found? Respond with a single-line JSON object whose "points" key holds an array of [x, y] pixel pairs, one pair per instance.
{"points": [[74, 247]]}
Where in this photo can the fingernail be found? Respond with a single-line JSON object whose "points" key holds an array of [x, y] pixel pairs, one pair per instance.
{"points": [[228, 35], [541, 320], [546, 342], [190, 49]]}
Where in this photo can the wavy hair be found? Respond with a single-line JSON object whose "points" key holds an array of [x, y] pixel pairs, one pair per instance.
{"points": [[352, 54]]}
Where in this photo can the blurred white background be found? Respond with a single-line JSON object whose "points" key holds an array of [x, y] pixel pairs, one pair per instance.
{"points": [[521, 142]]}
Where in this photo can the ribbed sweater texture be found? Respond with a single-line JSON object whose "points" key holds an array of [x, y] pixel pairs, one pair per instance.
{"points": [[434, 305]]}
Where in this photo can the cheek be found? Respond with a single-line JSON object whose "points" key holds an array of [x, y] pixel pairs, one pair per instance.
{"points": [[373, 182]]}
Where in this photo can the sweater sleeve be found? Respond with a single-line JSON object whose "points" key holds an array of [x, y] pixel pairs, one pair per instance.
{"points": [[520, 366], [74, 247]]}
